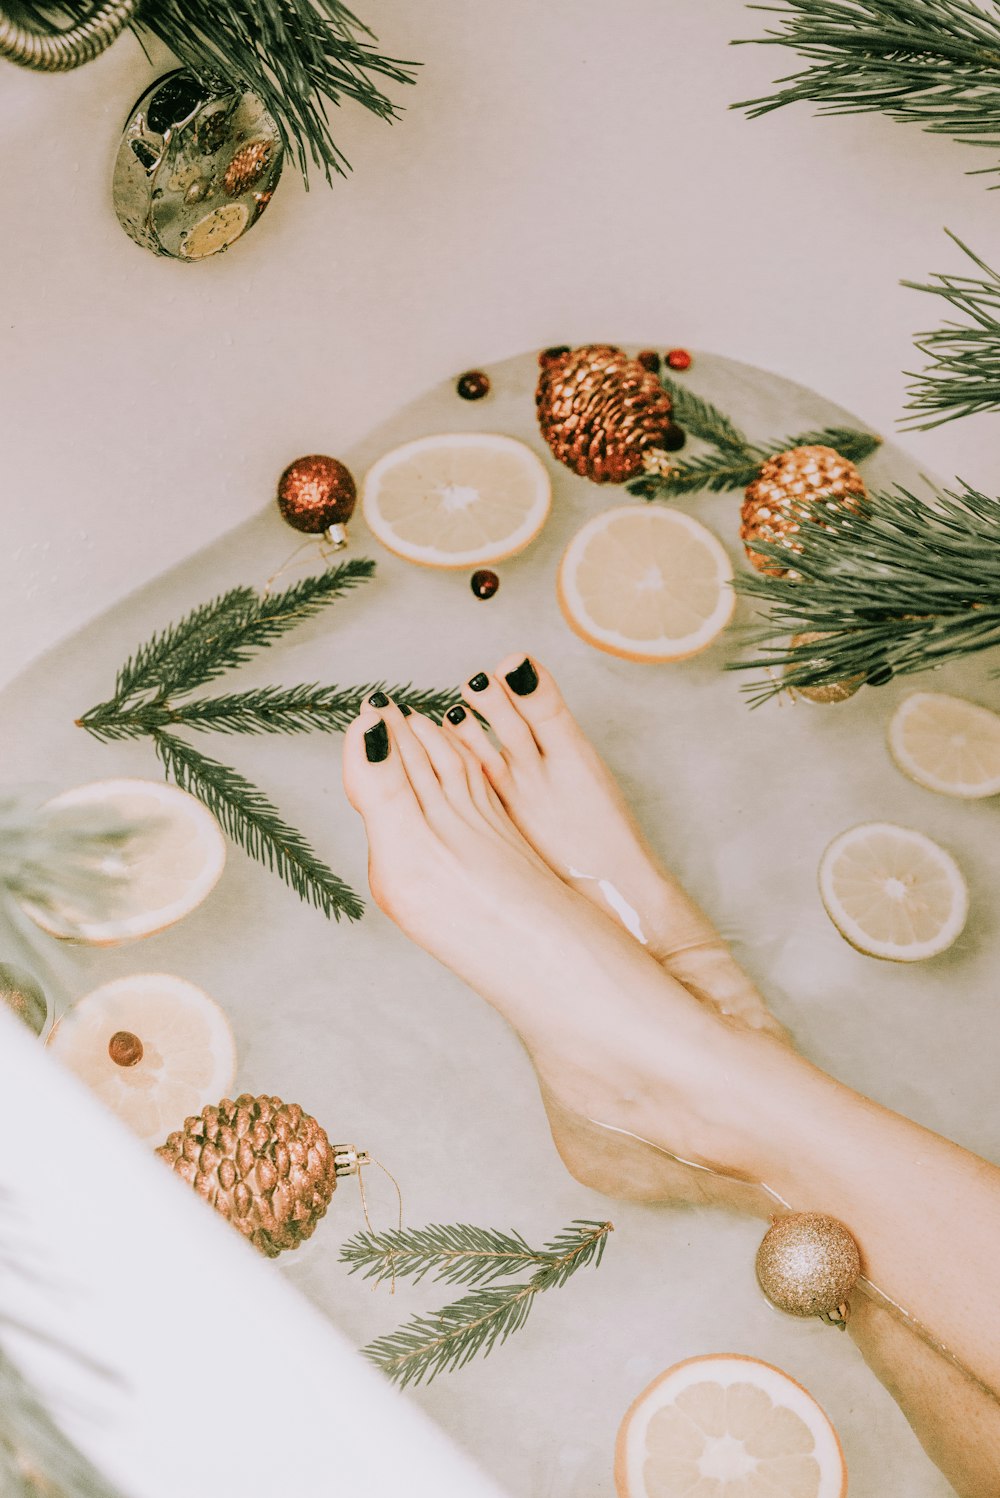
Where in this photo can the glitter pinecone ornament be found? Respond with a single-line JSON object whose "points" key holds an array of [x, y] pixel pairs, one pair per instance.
{"points": [[267, 1166], [601, 412], [778, 500]]}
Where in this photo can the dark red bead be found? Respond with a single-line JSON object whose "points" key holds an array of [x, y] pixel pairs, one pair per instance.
{"points": [[473, 385], [679, 358], [673, 438], [484, 583], [649, 359], [556, 352]]}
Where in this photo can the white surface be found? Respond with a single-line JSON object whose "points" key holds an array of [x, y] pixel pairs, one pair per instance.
{"points": [[217, 1380], [563, 172]]}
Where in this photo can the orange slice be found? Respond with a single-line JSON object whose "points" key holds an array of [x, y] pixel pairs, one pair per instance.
{"points": [[893, 892], [154, 1048], [646, 583], [947, 744], [170, 856], [727, 1427], [457, 500]]}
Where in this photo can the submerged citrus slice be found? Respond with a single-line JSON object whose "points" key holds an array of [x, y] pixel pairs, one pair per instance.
{"points": [[457, 500], [727, 1427], [169, 855], [646, 583], [947, 744], [154, 1048], [892, 892]]}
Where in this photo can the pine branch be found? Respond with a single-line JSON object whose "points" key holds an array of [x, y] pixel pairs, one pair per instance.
{"points": [[155, 664], [254, 822], [721, 471], [935, 63], [898, 586], [963, 375], [298, 709], [701, 419], [451, 1337]]}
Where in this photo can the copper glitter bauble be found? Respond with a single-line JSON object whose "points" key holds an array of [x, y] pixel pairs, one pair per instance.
{"points": [[265, 1165], [317, 495], [808, 1264], [247, 167], [830, 691], [601, 412], [779, 498]]}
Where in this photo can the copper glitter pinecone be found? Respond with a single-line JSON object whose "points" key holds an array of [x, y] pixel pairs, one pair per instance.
{"points": [[778, 499], [266, 1165], [601, 411]]}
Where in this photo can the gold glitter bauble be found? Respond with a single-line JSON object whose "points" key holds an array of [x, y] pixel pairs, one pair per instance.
{"points": [[808, 1264], [779, 498], [601, 412], [266, 1165], [831, 691]]}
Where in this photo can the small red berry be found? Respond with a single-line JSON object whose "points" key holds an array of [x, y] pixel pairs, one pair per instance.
{"points": [[473, 385], [679, 358], [484, 583], [673, 438], [649, 359], [548, 355]]}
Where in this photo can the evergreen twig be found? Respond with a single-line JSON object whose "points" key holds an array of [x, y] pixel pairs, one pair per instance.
{"points": [[897, 586], [701, 419], [254, 822], [449, 1338], [935, 63], [963, 375], [298, 56], [730, 467]]}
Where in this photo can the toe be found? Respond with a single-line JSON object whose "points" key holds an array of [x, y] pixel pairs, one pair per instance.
{"points": [[448, 764], [532, 693], [489, 695], [462, 726], [416, 762], [375, 777]]}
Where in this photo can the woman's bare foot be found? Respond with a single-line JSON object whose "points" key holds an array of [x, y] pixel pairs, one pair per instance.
{"points": [[624, 1054], [562, 797]]}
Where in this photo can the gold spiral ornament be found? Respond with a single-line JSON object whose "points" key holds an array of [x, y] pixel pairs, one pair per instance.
{"points": [[55, 51]]}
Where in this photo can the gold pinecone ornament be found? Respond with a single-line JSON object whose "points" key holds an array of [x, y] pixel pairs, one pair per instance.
{"points": [[601, 412], [778, 500], [267, 1166]]}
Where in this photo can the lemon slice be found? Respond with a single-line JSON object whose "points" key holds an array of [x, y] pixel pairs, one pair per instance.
{"points": [[170, 855], [154, 1048], [727, 1427], [892, 892], [947, 744], [646, 583], [457, 501]]}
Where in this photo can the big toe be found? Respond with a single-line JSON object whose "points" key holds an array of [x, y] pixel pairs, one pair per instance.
{"points": [[531, 690], [375, 778]]}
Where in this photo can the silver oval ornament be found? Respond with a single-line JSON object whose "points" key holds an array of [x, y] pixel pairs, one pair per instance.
{"points": [[197, 166]]}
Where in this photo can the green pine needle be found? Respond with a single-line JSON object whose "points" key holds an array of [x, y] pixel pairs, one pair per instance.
{"points": [[729, 468], [701, 419], [251, 820], [963, 375], [897, 586], [935, 63], [449, 1338]]}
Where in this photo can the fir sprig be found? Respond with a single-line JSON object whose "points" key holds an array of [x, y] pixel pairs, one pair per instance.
{"points": [[735, 461], [897, 586], [963, 373], [935, 63], [251, 820], [449, 1338]]}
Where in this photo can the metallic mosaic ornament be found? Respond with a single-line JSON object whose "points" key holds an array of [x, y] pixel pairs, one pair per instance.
{"points": [[23, 996], [601, 412], [267, 1166], [197, 166], [317, 495], [807, 1265], [777, 500], [830, 691]]}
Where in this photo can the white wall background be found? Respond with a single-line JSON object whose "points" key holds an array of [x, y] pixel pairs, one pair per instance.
{"points": [[566, 171]]}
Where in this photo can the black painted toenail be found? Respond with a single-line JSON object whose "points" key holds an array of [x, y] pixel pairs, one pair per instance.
{"points": [[523, 679], [406, 711], [479, 682], [455, 714], [377, 743], [379, 699]]}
